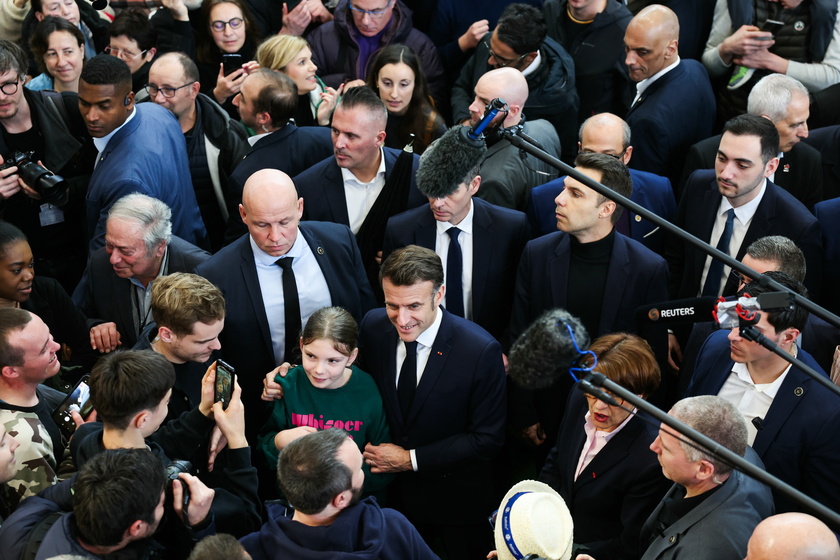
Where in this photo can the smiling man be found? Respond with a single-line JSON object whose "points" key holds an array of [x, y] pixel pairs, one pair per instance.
{"points": [[277, 275], [479, 243], [789, 415], [141, 149], [738, 187], [442, 381], [116, 292], [27, 358]]}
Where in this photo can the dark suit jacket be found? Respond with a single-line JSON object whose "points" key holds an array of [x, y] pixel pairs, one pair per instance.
{"points": [[456, 421], [778, 213], [827, 142], [104, 297], [798, 442], [291, 149], [246, 338], [828, 215], [499, 236], [799, 172], [615, 492], [649, 190], [663, 130], [322, 189], [636, 276]]}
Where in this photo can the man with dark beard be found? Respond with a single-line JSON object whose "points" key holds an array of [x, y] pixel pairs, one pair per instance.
{"points": [[321, 474]]}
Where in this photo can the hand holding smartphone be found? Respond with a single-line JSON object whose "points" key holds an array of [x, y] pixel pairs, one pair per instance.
{"points": [[225, 376]]}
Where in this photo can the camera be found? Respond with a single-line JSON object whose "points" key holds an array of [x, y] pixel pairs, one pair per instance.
{"points": [[173, 469], [50, 186]]}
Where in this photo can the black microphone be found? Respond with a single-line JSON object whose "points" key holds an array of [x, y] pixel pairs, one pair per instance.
{"points": [[545, 351], [99, 5], [758, 423], [678, 312], [446, 163]]}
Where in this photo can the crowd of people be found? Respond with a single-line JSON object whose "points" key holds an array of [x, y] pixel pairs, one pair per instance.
{"points": [[266, 293]]}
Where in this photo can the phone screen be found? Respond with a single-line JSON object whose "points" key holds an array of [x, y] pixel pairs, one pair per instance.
{"points": [[225, 375], [79, 400], [231, 63]]}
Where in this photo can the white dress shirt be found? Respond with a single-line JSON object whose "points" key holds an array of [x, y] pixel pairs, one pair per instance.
{"points": [[644, 84], [465, 240], [361, 196], [312, 288]]}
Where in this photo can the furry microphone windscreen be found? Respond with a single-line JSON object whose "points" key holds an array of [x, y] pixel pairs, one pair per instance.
{"points": [[445, 164], [545, 351]]}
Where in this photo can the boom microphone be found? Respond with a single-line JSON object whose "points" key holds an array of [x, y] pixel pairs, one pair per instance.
{"points": [[446, 163], [545, 351]]}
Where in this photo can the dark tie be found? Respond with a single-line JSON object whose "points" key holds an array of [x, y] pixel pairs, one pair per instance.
{"points": [[712, 286], [454, 275], [291, 305], [408, 377]]}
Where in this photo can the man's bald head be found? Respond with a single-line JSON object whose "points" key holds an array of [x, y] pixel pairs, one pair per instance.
{"points": [[651, 41], [506, 83], [605, 133], [272, 210], [792, 536]]}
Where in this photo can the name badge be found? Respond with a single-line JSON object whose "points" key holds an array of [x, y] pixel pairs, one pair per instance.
{"points": [[50, 215]]}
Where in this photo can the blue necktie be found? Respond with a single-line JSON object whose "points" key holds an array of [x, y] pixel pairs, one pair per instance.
{"points": [[407, 383], [712, 286], [454, 275]]}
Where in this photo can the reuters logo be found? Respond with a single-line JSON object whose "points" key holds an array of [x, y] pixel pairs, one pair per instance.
{"points": [[653, 314]]}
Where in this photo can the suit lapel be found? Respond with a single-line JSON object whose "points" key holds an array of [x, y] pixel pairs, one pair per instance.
{"points": [[483, 244], [558, 272], [387, 363], [440, 351], [612, 454], [790, 394], [617, 274], [334, 197], [707, 214], [252, 286]]}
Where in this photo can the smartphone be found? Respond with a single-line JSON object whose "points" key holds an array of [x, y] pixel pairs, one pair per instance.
{"points": [[79, 400], [225, 377], [232, 63], [772, 26]]}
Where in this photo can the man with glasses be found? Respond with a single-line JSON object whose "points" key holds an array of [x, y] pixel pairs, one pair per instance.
{"points": [[215, 142], [132, 40], [342, 48], [49, 125], [141, 149], [607, 134], [792, 420], [520, 42]]}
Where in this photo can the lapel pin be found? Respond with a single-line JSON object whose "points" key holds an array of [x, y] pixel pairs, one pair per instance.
{"points": [[320, 250], [440, 353], [798, 391], [786, 168]]}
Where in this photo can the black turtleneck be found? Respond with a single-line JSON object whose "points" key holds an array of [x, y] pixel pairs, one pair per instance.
{"points": [[588, 280]]}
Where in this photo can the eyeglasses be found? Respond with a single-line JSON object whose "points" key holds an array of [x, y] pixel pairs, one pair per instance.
{"points": [[502, 62], [123, 55], [618, 399], [372, 13], [167, 92], [10, 88], [741, 279], [220, 25], [616, 156]]}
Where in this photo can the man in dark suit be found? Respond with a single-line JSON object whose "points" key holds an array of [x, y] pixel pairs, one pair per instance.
{"points": [[784, 101], [588, 269], [663, 127], [250, 272], [116, 290], [826, 141], [443, 386], [266, 102], [792, 419], [365, 183], [490, 238], [746, 157], [608, 134]]}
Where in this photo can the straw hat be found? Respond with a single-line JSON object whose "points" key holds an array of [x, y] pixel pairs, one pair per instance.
{"points": [[533, 519]]}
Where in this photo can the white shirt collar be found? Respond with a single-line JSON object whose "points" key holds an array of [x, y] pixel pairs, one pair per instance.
{"points": [[261, 257], [769, 389], [347, 175], [644, 84], [466, 224], [535, 64], [257, 137], [745, 212], [102, 143], [427, 337]]}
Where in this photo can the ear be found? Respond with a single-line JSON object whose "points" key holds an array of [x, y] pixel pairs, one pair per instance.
{"points": [[139, 419], [438, 297], [526, 62], [474, 184], [628, 153], [343, 500], [353, 355], [671, 49], [263, 119], [790, 335], [10, 372], [771, 166], [135, 530], [165, 334], [380, 138], [129, 101], [150, 54], [705, 470], [300, 208], [607, 209], [161, 249], [39, 16], [242, 213]]}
